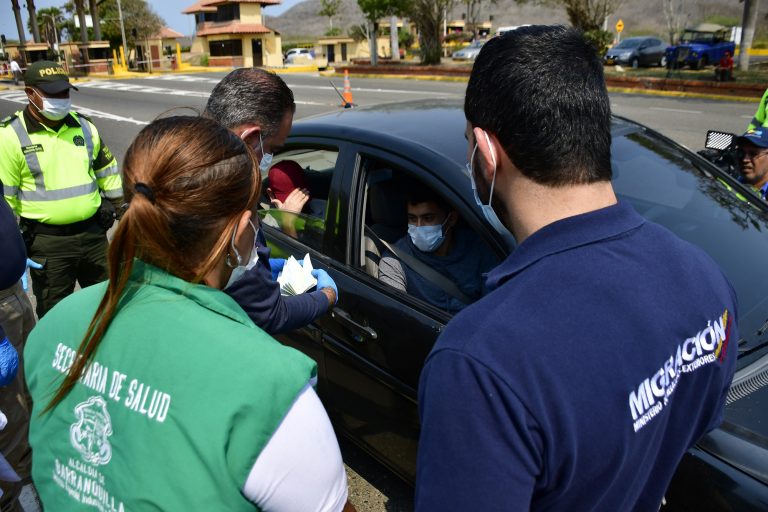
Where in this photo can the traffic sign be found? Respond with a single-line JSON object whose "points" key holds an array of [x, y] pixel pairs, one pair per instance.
{"points": [[619, 26]]}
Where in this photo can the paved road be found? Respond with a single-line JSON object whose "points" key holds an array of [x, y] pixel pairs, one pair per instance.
{"points": [[120, 108]]}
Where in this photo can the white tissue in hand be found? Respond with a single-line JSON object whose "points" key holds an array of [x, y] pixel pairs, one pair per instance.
{"points": [[295, 278]]}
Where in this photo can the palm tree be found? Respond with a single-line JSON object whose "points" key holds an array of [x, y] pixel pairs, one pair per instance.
{"points": [[47, 17]]}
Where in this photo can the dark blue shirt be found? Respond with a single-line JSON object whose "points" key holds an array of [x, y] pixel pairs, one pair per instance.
{"points": [[603, 352], [763, 191], [466, 265], [259, 296]]}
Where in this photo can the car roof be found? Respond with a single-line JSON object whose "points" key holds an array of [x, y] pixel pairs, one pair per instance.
{"points": [[431, 125], [391, 125]]}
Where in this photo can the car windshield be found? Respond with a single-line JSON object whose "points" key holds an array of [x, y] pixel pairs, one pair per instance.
{"points": [[628, 43], [697, 37], [476, 44], [669, 188]]}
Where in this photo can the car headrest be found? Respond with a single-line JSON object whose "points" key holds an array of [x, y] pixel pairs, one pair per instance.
{"points": [[387, 204]]}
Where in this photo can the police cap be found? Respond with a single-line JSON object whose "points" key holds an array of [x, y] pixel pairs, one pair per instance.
{"points": [[47, 76]]}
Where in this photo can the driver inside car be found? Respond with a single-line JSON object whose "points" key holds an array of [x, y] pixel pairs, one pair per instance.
{"points": [[450, 259]]}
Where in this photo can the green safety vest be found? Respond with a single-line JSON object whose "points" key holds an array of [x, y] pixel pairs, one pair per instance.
{"points": [[183, 394], [760, 118], [54, 177]]}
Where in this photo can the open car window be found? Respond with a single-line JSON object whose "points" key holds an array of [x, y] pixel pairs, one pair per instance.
{"points": [[316, 167], [448, 282]]}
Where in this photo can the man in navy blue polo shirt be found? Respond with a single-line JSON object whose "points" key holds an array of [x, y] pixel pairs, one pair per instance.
{"points": [[606, 346]]}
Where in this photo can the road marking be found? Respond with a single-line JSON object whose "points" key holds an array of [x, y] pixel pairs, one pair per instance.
{"points": [[126, 87], [183, 78], [145, 89], [678, 110], [365, 89], [199, 79], [21, 97]]}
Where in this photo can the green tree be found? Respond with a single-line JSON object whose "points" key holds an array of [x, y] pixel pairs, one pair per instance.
{"points": [[45, 25], [473, 10], [138, 15], [359, 32], [329, 8], [586, 15], [428, 16], [675, 14], [374, 10]]}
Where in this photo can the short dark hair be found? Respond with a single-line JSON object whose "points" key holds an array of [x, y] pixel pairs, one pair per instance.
{"points": [[250, 95], [541, 91], [417, 192]]}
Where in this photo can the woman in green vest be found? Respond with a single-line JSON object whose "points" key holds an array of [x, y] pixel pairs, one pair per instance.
{"points": [[154, 390]]}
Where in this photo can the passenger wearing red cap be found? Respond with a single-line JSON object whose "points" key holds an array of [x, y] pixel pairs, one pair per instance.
{"points": [[288, 190]]}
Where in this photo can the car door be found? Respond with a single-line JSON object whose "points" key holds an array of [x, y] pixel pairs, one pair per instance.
{"points": [[377, 338], [297, 234], [646, 52], [658, 49]]}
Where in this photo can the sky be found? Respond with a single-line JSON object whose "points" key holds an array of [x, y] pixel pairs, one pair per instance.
{"points": [[169, 10]]}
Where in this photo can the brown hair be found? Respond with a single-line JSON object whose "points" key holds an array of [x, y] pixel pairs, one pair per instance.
{"points": [[187, 180]]}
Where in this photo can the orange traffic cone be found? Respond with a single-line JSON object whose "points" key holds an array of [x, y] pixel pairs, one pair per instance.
{"points": [[347, 95]]}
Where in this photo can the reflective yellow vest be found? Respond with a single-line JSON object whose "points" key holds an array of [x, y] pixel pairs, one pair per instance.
{"points": [[54, 177], [760, 119]]}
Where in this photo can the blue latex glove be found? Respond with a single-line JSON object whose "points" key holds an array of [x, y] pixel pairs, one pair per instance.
{"points": [[325, 281], [30, 264], [9, 361], [276, 265]]}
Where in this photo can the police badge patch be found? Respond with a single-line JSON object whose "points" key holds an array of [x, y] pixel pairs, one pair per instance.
{"points": [[90, 433], [79, 140]]}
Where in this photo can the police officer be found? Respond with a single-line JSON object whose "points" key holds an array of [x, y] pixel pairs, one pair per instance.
{"points": [[760, 119], [55, 169]]}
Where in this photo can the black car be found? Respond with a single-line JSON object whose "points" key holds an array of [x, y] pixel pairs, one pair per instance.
{"points": [[371, 347], [638, 51]]}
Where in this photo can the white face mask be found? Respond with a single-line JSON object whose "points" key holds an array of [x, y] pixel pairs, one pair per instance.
{"points": [[427, 238], [487, 209], [266, 158], [253, 258], [54, 109]]}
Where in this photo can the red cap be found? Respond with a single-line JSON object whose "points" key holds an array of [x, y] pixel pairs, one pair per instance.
{"points": [[285, 176]]}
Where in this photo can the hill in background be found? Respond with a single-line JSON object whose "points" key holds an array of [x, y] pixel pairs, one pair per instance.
{"points": [[640, 17]]}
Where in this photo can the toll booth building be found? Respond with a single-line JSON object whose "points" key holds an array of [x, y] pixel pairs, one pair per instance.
{"points": [[232, 33], [158, 51]]}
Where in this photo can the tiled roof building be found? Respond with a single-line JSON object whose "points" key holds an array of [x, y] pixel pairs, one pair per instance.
{"points": [[232, 33]]}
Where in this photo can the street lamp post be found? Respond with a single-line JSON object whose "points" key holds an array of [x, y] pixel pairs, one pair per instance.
{"points": [[122, 27]]}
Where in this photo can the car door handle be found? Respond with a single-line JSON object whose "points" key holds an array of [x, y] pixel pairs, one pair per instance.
{"points": [[360, 330]]}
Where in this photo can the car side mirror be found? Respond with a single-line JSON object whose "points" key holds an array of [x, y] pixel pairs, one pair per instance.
{"points": [[719, 140]]}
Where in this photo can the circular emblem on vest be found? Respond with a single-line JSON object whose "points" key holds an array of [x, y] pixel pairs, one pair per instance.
{"points": [[90, 433], [79, 140]]}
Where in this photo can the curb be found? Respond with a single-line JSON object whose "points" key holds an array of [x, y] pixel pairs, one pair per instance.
{"points": [[682, 94], [433, 78], [611, 88]]}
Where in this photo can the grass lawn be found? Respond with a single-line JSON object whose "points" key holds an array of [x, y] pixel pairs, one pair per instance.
{"points": [[707, 74]]}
